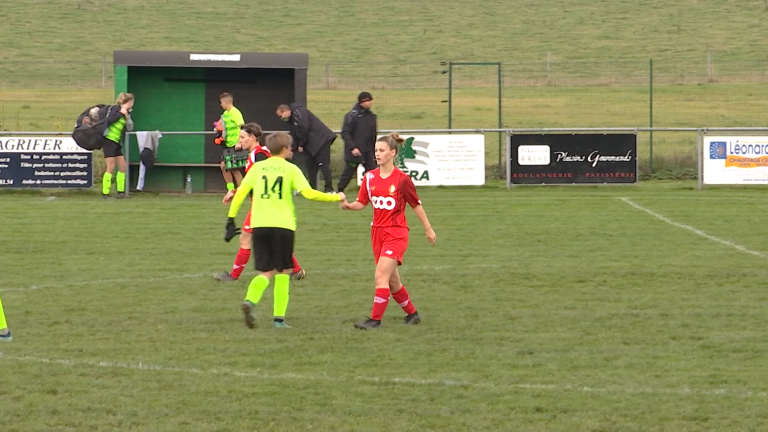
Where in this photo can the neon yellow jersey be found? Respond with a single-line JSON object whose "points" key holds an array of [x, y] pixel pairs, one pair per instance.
{"points": [[273, 181], [115, 131], [232, 120]]}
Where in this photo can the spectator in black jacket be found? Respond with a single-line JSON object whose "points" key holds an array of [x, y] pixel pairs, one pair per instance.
{"points": [[359, 134], [312, 138]]}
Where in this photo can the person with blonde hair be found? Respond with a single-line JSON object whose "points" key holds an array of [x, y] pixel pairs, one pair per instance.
{"points": [[388, 190], [118, 122]]}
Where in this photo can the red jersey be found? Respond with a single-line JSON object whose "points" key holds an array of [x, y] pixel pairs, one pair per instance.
{"points": [[388, 197], [252, 156]]}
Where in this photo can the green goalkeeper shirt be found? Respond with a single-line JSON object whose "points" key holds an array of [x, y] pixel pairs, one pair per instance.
{"points": [[273, 181]]}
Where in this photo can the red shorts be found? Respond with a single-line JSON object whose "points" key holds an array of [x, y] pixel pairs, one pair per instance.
{"points": [[247, 223], [390, 242]]}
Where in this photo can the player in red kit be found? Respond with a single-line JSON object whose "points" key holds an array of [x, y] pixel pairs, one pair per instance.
{"points": [[250, 136], [388, 190]]}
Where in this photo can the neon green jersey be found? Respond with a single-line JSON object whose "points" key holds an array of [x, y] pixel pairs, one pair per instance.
{"points": [[273, 181], [232, 120], [115, 131]]}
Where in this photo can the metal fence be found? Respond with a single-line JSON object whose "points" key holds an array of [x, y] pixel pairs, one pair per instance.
{"points": [[44, 95]]}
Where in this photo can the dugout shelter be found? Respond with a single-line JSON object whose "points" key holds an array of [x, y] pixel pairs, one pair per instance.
{"points": [[178, 91]]}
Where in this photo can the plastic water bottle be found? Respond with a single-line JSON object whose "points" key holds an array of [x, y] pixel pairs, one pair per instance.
{"points": [[188, 185]]}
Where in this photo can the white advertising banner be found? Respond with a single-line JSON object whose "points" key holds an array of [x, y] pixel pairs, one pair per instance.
{"points": [[735, 160], [441, 160]]}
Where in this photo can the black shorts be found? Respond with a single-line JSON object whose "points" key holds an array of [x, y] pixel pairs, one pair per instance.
{"points": [[272, 249], [111, 148]]}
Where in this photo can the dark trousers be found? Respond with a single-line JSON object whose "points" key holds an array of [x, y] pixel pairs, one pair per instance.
{"points": [[321, 161], [350, 170]]}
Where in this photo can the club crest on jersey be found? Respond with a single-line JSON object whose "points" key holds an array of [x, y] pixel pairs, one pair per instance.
{"points": [[392, 189]]}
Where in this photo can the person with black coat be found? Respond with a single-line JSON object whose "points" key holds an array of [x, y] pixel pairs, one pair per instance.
{"points": [[312, 138], [359, 134]]}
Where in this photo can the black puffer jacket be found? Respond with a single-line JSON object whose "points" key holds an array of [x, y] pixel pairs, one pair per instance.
{"points": [[307, 130], [358, 131]]}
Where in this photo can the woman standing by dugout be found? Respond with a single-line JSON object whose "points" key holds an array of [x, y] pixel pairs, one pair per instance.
{"points": [[118, 122]]}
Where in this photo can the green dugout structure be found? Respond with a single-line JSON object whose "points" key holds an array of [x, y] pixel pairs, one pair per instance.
{"points": [[179, 92]]}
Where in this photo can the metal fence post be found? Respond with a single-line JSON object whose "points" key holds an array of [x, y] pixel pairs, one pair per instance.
{"points": [[650, 117], [450, 94], [699, 158], [501, 85]]}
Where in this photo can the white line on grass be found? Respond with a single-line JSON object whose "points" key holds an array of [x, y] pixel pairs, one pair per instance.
{"points": [[197, 275], [380, 380], [694, 230]]}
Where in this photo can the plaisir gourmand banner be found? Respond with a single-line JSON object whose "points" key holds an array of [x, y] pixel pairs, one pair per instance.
{"points": [[572, 158], [734, 160]]}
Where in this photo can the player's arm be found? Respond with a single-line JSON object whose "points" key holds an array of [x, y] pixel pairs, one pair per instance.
{"points": [[412, 198], [301, 185], [302, 128], [238, 118], [242, 193], [362, 198]]}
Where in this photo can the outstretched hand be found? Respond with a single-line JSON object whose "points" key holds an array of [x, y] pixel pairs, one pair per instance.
{"points": [[231, 230]]}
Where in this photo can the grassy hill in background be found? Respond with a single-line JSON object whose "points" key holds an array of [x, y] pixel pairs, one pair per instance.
{"points": [[344, 30]]}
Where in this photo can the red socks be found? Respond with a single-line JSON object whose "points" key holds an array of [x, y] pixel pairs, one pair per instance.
{"points": [[404, 300], [241, 260], [380, 303], [296, 266]]}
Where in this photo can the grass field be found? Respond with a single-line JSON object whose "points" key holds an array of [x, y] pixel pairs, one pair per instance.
{"points": [[557, 309], [393, 30]]}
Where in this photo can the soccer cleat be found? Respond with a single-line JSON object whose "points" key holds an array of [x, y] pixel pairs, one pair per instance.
{"points": [[247, 308], [6, 337], [122, 195], [299, 275], [282, 325], [106, 196], [224, 277], [368, 324], [412, 319]]}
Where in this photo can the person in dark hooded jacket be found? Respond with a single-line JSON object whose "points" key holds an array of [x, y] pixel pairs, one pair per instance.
{"points": [[312, 138], [359, 134]]}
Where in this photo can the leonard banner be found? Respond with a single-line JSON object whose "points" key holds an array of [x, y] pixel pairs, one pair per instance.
{"points": [[730, 160], [572, 158], [44, 162], [434, 160]]}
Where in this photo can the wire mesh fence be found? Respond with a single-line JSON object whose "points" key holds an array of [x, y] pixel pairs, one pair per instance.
{"points": [[48, 95]]}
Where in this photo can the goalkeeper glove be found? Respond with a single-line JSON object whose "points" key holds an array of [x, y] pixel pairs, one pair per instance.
{"points": [[232, 230]]}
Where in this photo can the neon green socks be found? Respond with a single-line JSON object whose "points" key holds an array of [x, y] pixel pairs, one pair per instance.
{"points": [[3, 324], [120, 181], [106, 183], [282, 281], [256, 289]]}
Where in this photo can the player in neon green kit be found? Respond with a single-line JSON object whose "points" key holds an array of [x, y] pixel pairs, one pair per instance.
{"points": [[273, 219], [232, 119], [5, 334]]}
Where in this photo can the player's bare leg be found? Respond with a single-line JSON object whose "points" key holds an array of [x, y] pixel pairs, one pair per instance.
{"points": [[238, 175], [384, 270]]}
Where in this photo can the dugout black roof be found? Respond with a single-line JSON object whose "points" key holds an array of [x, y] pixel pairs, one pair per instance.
{"points": [[209, 59]]}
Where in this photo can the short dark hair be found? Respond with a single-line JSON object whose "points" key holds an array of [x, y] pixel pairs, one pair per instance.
{"points": [[252, 129], [277, 141], [226, 95], [283, 107]]}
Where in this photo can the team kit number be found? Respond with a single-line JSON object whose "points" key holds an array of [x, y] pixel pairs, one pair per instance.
{"points": [[383, 203], [277, 188]]}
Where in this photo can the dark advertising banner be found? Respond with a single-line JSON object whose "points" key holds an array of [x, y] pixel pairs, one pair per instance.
{"points": [[44, 162], [572, 158]]}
